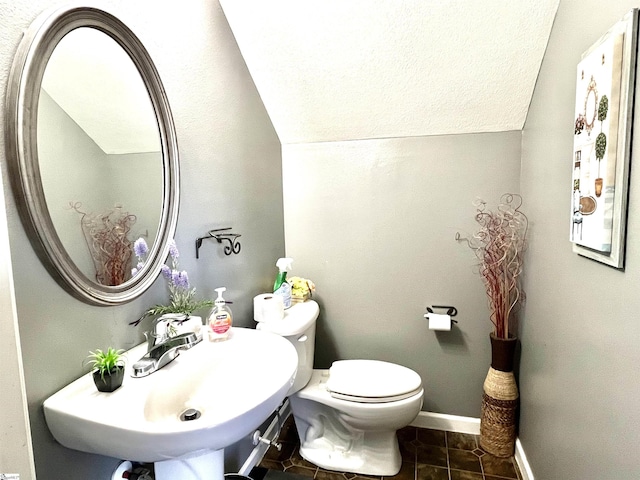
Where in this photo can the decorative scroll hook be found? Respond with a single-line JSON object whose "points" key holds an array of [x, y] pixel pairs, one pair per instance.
{"points": [[221, 234]]}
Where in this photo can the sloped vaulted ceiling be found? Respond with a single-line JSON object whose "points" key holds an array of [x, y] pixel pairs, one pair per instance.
{"points": [[330, 70]]}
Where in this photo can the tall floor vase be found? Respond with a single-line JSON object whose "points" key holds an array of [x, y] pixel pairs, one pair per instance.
{"points": [[500, 400]]}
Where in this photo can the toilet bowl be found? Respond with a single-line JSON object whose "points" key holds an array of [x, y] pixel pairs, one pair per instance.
{"points": [[348, 427], [347, 416]]}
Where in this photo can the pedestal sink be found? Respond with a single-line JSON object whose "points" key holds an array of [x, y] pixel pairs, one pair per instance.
{"points": [[233, 386]]}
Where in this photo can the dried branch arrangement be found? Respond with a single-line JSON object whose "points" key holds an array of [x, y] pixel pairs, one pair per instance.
{"points": [[499, 244], [107, 237]]}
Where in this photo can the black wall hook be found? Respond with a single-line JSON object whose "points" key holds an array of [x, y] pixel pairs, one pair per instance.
{"points": [[221, 234]]}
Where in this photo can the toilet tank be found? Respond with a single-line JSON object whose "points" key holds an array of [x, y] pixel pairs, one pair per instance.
{"points": [[299, 327]]}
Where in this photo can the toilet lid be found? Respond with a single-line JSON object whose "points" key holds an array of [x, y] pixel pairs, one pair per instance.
{"points": [[372, 381]]}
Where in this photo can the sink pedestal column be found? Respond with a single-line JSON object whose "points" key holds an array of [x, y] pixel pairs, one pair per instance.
{"points": [[205, 465]]}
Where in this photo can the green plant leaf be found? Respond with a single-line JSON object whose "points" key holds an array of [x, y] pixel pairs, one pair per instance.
{"points": [[106, 362]]}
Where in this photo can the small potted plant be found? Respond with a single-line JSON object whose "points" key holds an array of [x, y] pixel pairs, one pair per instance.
{"points": [[108, 368]]}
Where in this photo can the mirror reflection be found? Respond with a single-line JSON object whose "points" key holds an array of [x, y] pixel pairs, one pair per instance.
{"points": [[92, 153], [100, 154]]}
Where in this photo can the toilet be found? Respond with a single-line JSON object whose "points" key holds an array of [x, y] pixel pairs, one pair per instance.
{"points": [[347, 416]]}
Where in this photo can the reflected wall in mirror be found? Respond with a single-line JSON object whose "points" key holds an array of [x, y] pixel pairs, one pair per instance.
{"points": [[113, 149], [92, 151]]}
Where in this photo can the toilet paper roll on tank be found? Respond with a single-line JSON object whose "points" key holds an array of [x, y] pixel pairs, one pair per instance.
{"points": [[268, 307]]}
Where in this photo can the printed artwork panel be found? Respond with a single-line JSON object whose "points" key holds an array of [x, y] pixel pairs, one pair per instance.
{"points": [[597, 111]]}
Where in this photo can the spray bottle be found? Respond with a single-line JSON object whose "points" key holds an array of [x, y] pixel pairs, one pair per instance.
{"points": [[281, 286]]}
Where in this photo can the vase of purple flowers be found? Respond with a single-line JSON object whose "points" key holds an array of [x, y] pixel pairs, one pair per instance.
{"points": [[181, 295]]}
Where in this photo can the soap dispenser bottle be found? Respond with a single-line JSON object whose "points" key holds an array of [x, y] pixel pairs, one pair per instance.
{"points": [[281, 286], [220, 319]]}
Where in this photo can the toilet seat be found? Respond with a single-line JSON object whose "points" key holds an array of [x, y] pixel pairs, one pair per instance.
{"points": [[372, 381]]}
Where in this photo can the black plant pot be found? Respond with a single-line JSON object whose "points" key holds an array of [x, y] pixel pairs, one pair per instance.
{"points": [[110, 381]]}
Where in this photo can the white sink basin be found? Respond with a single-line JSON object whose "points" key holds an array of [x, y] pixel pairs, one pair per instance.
{"points": [[235, 385]]}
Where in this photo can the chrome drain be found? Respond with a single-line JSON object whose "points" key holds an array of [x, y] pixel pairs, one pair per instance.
{"points": [[190, 414]]}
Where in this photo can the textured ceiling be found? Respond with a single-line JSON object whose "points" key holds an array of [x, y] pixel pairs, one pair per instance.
{"points": [[335, 70]]}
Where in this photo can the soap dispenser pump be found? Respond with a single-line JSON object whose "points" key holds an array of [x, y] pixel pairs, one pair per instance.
{"points": [[220, 319]]}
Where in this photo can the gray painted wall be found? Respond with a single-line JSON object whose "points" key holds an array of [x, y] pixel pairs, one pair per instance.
{"points": [[373, 224], [77, 170], [580, 355], [16, 455], [231, 176]]}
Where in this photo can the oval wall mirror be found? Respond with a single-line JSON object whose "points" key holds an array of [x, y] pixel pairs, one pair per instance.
{"points": [[92, 152]]}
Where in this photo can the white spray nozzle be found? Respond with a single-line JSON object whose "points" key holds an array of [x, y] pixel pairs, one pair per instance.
{"points": [[284, 264]]}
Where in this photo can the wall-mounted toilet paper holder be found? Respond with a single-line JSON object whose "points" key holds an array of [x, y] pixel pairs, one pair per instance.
{"points": [[451, 311]]}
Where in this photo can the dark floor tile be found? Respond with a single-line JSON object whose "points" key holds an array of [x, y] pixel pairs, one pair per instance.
{"points": [[288, 433], [427, 436], [429, 472], [366, 477], [362, 476], [279, 455], [431, 455], [407, 443], [461, 441], [407, 450], [328, 475], [499, 467], [407, 472], [271, 464], [305, 472], [464, 460], [478, 452], [297, 460], [407, 434], [324, 474], [276, 475], [462, 475]]}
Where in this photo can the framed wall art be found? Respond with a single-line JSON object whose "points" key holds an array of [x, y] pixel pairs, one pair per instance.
{"points": [[605, 84]]}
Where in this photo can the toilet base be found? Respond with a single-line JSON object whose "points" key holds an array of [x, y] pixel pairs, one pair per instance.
{"points": [[379, 455]]}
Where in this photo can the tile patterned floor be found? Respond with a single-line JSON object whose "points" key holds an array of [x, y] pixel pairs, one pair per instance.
{"points": [[426, 455]]}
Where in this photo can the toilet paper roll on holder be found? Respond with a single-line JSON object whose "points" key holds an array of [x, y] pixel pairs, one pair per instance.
{"points": [[451, 311]]}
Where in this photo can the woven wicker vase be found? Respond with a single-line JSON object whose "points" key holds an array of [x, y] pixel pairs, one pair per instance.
{"points": [[500, 400]]}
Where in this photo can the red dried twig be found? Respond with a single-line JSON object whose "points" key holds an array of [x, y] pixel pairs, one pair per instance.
{"points": [[499, 244], [107, 237]]}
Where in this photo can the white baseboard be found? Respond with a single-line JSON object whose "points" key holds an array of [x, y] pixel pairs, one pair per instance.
{"points": [[452, 423], [523, 464], [455, 423]]}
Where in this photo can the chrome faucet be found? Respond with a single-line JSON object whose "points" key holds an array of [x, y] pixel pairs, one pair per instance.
{"points": [[162, 328], [163, 353]]}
